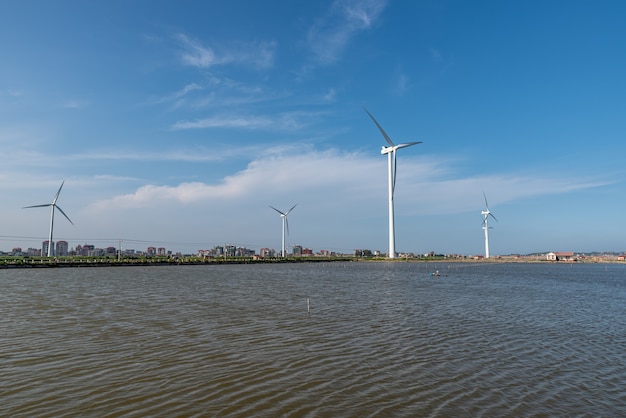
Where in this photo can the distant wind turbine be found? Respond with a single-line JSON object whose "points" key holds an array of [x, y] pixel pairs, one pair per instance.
{"points": [[391, 162], [283, 215], [53, 206], [486, 214]]}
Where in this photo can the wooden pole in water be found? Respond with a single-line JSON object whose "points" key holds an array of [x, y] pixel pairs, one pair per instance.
{"points": [[308, 306]]}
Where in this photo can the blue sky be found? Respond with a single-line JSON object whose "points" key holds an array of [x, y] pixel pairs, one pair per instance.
{"points": [[179, 123]]}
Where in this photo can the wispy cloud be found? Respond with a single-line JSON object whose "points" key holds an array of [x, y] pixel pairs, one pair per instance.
{"points": [[113, 178], [15, 93], [250, 122], [346, 18], [402, 84], [283, 121], [330, 95], [22, 163], [197, 54], [191, 155], [181, 93], [435, 54], [214, 91], [74, 104]]}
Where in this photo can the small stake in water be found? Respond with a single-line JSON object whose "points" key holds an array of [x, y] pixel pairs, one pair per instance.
{"points": [[308, 306]]}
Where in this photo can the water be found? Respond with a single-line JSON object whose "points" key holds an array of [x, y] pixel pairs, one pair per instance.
{"points": [[381, 339]]}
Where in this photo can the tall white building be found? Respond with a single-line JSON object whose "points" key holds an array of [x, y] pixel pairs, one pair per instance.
{"points": [[44, 248], [62, 248]]}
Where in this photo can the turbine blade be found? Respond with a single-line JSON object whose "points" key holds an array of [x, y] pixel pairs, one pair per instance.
{"points": [[287, 225], [276, 210], [395, 167], [486, 204], [286, 213], [38, 206], [66, 217], [408, 144], [56, 196], [380, 128], [491, 214]]}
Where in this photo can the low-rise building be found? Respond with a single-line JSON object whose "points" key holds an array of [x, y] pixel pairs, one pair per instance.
{"points": [[561, 256]]}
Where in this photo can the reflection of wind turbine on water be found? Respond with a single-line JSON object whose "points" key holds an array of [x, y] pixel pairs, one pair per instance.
{"points": [[486, 214], [283, 215], [391, 163], [53, 206]]}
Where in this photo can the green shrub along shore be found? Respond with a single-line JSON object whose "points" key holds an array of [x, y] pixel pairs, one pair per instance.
{"points": [[111, 261], [78, 261]]}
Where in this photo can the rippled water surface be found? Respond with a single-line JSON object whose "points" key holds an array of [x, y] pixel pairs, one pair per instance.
{"points": [[380, 339]]}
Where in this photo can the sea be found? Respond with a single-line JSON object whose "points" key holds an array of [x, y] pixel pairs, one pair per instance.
{"points": [[340, 339]]}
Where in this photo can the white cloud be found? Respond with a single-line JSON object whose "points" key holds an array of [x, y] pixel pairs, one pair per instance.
{"points": [[424, 185], [74, 104], [435, 54], [329, 36], [197, 54], [330, 95], [178, 95], [341, 197], [269, 175], [15, 93], [283, 121], [250, 122], [402, 84], [194, 53]]}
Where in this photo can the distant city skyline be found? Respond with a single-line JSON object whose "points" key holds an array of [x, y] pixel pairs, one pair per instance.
{"points": [[234, 250], [180, 124]]}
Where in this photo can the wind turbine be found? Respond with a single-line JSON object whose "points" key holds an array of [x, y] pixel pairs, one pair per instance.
{"points": [[391, 162], [486, 214], [283, 215], [53, 206]]}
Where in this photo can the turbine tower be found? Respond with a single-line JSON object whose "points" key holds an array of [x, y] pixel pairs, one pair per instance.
{"points": [[283, 215], [486, 214], [391, 163], [53, 206]]}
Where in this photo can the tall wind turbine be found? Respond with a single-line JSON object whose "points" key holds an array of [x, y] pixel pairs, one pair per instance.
{"points": [[391, 162], [283, 215], [53, 206], [486, 214]]}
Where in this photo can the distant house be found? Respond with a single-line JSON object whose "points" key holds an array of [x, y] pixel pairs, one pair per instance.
{"points": [[621, 257], [561, 256]]}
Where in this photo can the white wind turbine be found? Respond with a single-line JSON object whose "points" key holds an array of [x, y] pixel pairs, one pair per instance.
{"points": [[486, 214], [53, 206], [391, 158], [283, 215]]}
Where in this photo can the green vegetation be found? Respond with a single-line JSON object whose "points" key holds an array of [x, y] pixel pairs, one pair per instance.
{"points": [[111, 261], [84, 261]]}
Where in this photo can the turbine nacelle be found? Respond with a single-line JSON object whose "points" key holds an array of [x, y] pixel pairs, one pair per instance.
{"points": [[283, 214], [392, 149]]}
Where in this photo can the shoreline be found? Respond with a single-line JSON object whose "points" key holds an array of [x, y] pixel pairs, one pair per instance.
{"points": [[44, 262]]}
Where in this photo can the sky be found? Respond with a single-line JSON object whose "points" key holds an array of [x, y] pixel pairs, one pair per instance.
{"points": [[178, 124]]}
